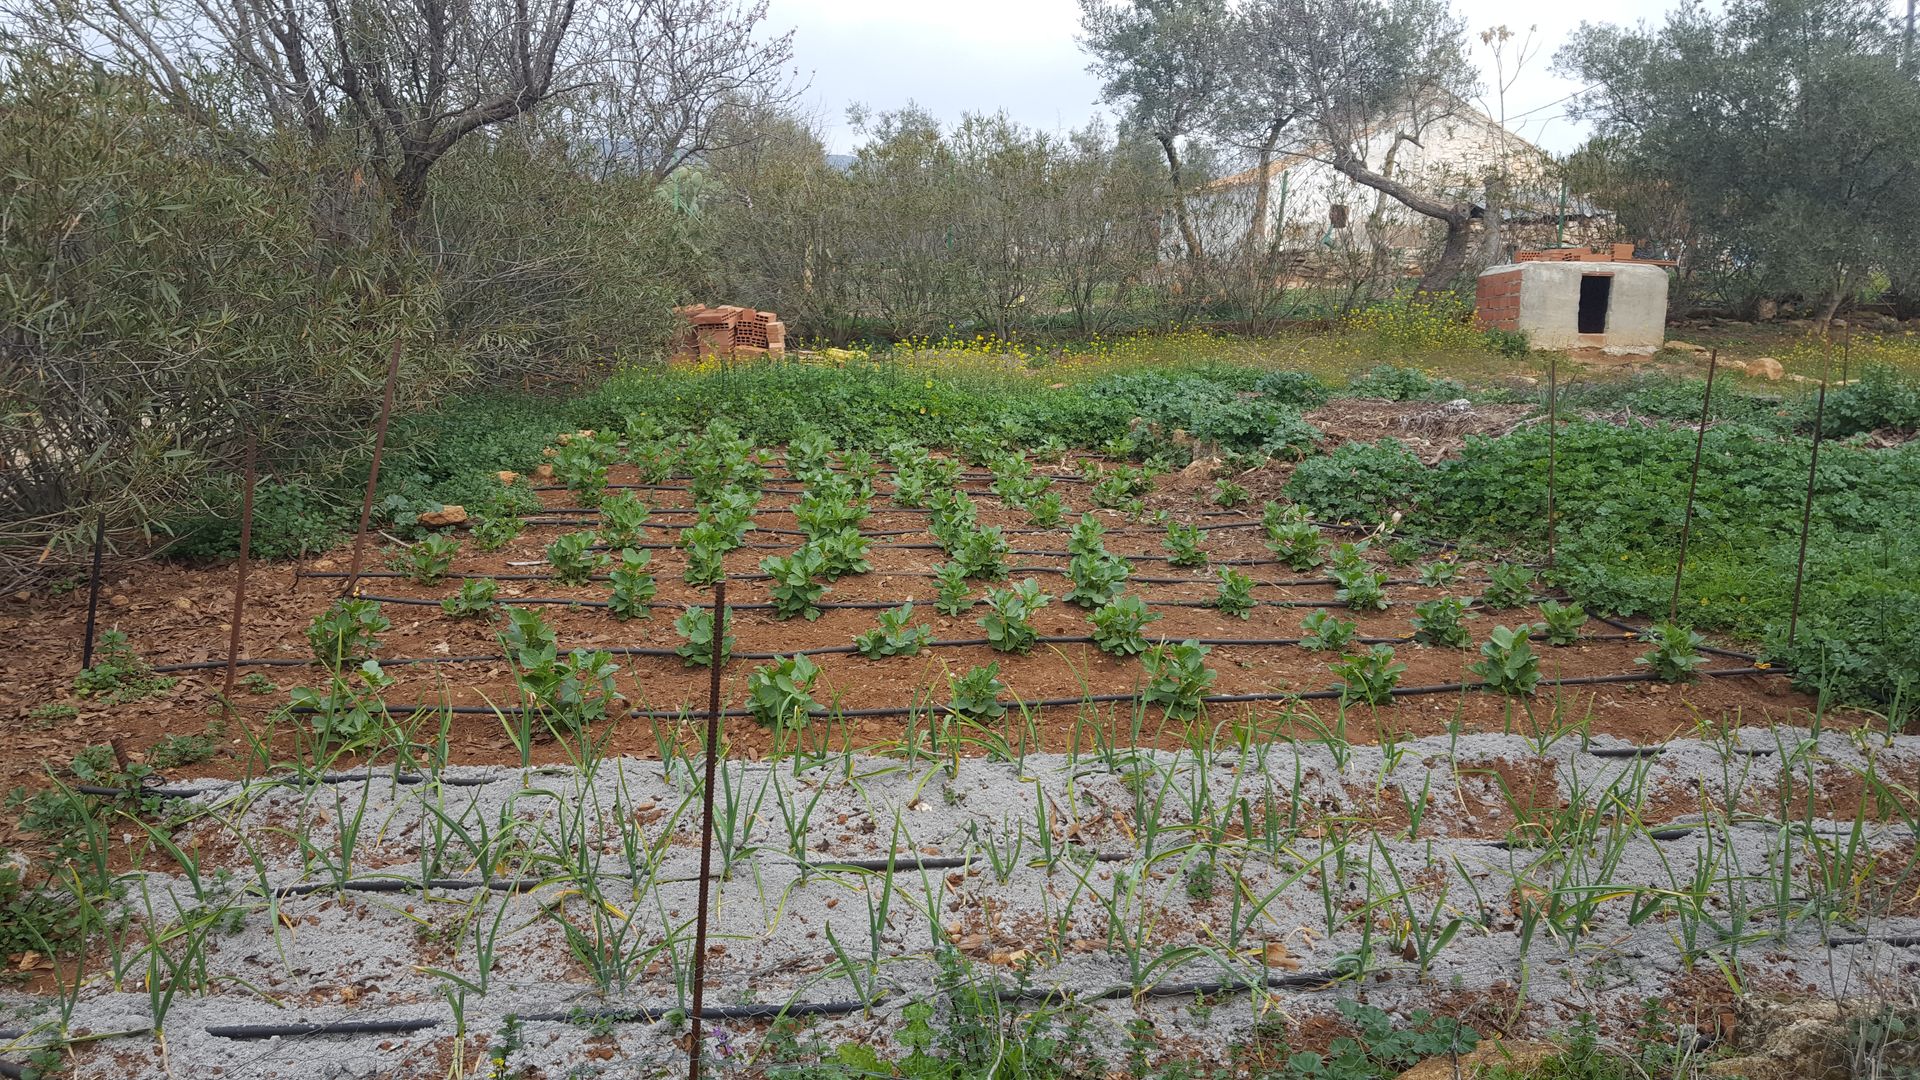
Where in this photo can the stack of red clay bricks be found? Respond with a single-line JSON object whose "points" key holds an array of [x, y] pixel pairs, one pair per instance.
{"points": [[1613, 253], [1496, 301], [729, 331]]}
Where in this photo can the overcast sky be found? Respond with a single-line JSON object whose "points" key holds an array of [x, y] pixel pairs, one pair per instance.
{"points": [[955, 56]]}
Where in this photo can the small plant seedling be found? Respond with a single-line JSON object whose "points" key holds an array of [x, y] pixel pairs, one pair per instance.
{"points": [[623, 519], [829, 506], [351, 706], [1369, 677], [695, 627], [426, 562], [1177, 677], [976, 694], [810, 456], [1509, 586], [1439, 574], [119, 674], [1088, 537], [573, 558], [842, 553], [257, 683], [477, 596], [1508, 664], [861, 471], [1200, 880], [1561, 623], [347, 632], [1118, 625], [953, 516], [1236, 593], [1348, 557], [952, 598], [982, 552], [633, 586], [895, 636], [794, 590], [782, 692], [1183, 542], [1442, 622], [1227, 494], [1361, 590], [493, 531], [1046, 510], [1296, 543], [706, 544], [46, 715], [1097, 578], [1008, 621], [1327, 632], [1675, 656], [177, 751]]}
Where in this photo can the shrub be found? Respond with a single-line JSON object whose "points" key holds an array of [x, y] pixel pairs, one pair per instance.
{"points": [[1360, 481]]}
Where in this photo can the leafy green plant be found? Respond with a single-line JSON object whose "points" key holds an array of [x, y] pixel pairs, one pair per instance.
{"points": [[1508, 664], [1045, 510], [633, 586], [477, 596], [794, 590], [982, 552], [782, 692], [1008, 620], [1359, 481], [830, 506], [1509, 586], [346, 632], [706, 544], [1369, 677], [1361, 590], [1227, 494], [1561, 623], [976, 694], [648, 450], [1327, 632], [695, 627], [492, 531], [1675, 656], [1088, 537], [573, 558], [350, 708], [1183, 542], [810, 455], [842, 553], [1236, 593], [895, 636], [119, 674], [583, 468], [1177, 677], [951, 578], [1118, 625], [1442, 622], [178, 751], [1439, 574], [1296, 543], [426, 562], [623, 519], [1097, 578], [571, 692]]}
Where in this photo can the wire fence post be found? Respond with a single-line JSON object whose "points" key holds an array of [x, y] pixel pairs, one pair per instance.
{"points": [[93, 590], [240, 571], [373, 472], [1553, 416], [706, 828], [1693, 485], [1806, 508]]}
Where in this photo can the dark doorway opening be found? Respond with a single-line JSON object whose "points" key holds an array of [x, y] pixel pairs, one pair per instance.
{"points": [[1596, 292]]}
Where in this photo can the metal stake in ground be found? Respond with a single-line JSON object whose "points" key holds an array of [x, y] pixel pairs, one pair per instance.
{"points": [[373, 472], [240, 570], [706, 829], [1553, 408], [1693, 485], [1806, 508], [93, 590]]}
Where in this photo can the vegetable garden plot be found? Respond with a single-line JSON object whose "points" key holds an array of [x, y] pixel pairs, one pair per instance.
{"points": [[1266, 815]]}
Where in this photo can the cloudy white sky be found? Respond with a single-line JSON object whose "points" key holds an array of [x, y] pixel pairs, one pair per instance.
{"points": [[955, 56]]}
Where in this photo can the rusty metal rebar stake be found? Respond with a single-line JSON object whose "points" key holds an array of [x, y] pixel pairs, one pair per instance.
{"points": [[373, 471], [1806, 508], [250, 475], [706, 828], [93, 590], [1693, 485]]}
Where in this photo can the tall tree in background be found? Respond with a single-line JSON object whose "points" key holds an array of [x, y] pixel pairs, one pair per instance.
{"points": [[1787, 127], [1164, 62]]}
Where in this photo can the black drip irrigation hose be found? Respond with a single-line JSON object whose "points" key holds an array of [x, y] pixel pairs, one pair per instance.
{"points": [[333, 1027], [1641, 631], [1292, 583], [827, 605]]}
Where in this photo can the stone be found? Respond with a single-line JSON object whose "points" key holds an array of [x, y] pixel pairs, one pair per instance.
{"points": [[119, 600], [507, 476], [1766, 367], [446, 515], [543, 472], [1765, 310], [1687, 347]]}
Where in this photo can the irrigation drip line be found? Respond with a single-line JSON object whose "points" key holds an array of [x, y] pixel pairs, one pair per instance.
{"points": [[332, 1027], [1141, 579], [1242, 521], [829, 605], [1640, 631]]}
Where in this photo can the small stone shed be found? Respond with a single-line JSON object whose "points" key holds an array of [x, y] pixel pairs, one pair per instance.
{"points": [[1577, 300]]}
